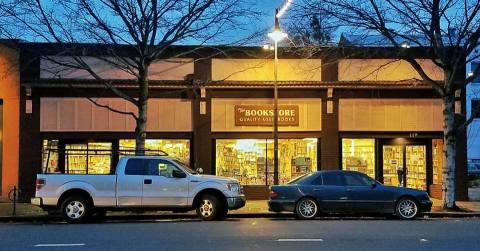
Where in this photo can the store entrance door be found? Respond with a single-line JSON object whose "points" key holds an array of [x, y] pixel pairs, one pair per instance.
{"points": [[405, 164]]}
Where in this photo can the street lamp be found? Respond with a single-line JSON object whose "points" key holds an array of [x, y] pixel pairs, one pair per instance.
{"points": [[277, 35]]}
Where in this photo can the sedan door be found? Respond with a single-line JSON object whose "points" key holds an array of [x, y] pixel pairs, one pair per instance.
{"points": [[160, 188], [330, 191], [366, 195]]}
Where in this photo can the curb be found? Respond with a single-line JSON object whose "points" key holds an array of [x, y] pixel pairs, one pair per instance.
{"points": [[56, 218]]}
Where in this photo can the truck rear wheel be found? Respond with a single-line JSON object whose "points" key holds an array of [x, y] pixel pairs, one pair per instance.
{"points": [[210, 208], [76, 209]]}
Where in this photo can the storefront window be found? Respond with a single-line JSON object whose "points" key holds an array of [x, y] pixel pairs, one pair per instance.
{"points": [[251, 160], [296, 158], [359, 155], [50, 156], [437, 160], [177, 148], [90, 158]]}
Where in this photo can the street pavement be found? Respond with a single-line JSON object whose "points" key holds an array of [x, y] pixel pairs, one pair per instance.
{"points": [[246, 234]]}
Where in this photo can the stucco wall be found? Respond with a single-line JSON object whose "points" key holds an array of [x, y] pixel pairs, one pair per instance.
{"points": [[10, 94]]}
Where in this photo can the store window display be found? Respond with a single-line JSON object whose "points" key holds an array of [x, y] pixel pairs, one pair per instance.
{"points": [[177, 148], [50, 156], [251, 160], [359, 155], [89, 158], [437, 160]]}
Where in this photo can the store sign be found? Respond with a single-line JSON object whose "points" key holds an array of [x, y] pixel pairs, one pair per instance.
{"points": [[262, 115]]}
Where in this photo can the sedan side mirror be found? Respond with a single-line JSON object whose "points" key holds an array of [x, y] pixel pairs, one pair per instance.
{"points": [[199, 170], [374, 184], [178, 174]]}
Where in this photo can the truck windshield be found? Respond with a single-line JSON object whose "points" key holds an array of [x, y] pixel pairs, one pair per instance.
{"points": [[184, 166]]}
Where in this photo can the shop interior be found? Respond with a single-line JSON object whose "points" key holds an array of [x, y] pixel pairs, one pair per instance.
{"points": [[251, 160], [96, 157]]}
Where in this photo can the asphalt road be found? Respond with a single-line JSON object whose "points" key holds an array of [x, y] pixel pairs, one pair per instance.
{"points": [[246, 234]]}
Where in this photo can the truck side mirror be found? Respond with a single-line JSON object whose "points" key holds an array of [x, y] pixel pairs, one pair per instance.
{"points": [[178, 174]]}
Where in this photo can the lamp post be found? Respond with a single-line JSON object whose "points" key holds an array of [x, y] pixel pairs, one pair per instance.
{"points": [[277, 35]]}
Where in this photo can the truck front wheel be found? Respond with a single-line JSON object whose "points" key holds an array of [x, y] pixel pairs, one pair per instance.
{"points": [[210, 208], [75, 209]]}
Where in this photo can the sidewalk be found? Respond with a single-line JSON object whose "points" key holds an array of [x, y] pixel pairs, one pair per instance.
{"points": [[253, 208]]}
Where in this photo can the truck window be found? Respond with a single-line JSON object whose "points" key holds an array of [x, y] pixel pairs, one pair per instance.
{"points": [[134, 167], [158, 167]]}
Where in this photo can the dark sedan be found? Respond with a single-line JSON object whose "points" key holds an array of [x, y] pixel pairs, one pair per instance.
{"points": [[346, 192]]}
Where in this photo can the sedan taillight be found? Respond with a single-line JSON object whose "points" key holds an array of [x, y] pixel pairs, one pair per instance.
{"points": [[273, 194], [40, 183]]}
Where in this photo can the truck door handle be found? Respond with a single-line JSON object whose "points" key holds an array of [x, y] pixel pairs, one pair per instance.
{"points": [[147, 181], [349, 189]]}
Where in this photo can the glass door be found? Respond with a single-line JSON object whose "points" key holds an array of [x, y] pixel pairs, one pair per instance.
{"points": [[393, 168], [405, 165], [416, 167]]}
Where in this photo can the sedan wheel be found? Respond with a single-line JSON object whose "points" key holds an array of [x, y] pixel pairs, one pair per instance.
{"points": [[407, 209], [306, 209]]}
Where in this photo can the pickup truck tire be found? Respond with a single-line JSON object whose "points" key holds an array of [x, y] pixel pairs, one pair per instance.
{"points": [[210, 208], [76, 209]]}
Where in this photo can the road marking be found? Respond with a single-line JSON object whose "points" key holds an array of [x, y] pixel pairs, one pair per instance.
{"points": [[60, 245], [299, 240], [423, 240]]}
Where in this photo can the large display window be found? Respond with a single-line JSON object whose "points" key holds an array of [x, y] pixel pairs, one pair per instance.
{"points": [[251, 160], [50, 156], [177, 148], [437, 160], [89, 158], [359, 155]]}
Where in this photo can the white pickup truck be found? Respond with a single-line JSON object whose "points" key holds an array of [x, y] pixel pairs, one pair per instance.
{"points": [[140, 183]]}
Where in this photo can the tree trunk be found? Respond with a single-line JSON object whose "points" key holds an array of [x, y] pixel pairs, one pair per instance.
{"points": [[449, 146], [141, 122]]}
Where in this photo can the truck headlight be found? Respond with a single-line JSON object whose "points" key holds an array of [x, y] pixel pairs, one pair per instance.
{"points": [[233, 187]]}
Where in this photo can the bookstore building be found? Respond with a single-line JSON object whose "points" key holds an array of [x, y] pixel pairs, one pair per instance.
{"points": [[346, 112]]}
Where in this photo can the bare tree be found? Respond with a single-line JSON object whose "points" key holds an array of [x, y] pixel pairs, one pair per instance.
{"points": [[147, 29], [448, 30]]}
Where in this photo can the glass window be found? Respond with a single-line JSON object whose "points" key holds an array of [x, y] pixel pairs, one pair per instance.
{"points": [[356, 179], [50, 156], [296, 158], [160, 168], [437, 160], [245, 160], [475, 108], [134, 167], [177, 148], [332, 179], [474, 67], [251, 160], [359, 155], [89, 158]]}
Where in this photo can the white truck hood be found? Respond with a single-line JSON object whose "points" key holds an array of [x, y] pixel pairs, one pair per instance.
{"points": [[204, 177]]}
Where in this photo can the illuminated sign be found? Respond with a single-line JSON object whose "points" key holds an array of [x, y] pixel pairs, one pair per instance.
{"points": [[262, 115]]}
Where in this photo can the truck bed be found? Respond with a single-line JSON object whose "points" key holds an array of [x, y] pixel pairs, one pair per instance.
{"points": [[102, 186]]}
